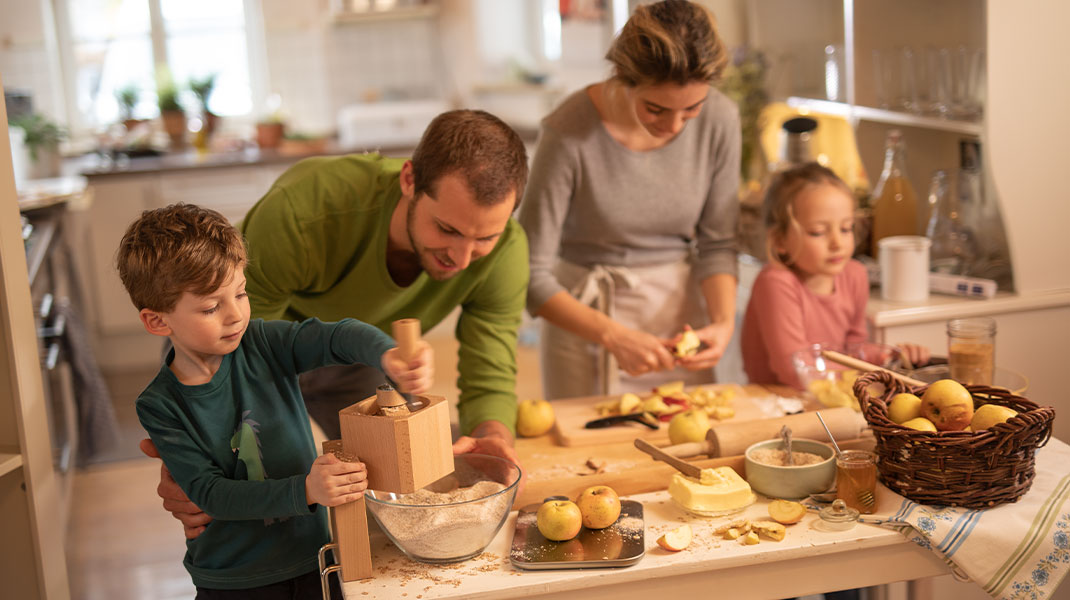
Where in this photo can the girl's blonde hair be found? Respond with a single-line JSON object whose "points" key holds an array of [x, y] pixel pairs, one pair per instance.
{"points": [[778, 204], [672, 41]]}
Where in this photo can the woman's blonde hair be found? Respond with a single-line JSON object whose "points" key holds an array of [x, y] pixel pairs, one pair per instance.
{"points": [[672, 41], [778, 205]]}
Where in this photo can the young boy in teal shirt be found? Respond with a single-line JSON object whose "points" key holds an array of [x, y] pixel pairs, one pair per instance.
{"points": [[225, 410]]}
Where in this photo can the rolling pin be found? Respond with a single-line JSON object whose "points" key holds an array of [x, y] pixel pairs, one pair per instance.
{"points": [[733, 438]]}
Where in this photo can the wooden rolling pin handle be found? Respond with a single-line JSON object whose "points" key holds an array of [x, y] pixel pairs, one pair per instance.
{"points": [[684, 467], [687, 449], [734, 437], [407, 335]]}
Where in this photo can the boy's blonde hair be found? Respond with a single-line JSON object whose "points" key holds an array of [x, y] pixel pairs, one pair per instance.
{"points": [[176, 249], [673, 41], [778, 204]]}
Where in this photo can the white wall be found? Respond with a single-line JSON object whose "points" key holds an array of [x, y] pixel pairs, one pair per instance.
{"points": [[1028, 131]]}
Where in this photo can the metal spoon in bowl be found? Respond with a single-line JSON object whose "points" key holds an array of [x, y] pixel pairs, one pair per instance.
{"points": [[865, 497]]}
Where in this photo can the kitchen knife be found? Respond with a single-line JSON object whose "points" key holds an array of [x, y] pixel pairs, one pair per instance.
{"points": [[643, 418]]}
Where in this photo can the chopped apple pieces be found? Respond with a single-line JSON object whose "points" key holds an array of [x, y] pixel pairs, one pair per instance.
{"points": [[677, 539], [671, 398], [786, 511], [748, 532]]}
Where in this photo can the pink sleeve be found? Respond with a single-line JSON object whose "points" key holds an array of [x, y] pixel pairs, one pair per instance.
{"points": [[775, 298], [858, 284]]}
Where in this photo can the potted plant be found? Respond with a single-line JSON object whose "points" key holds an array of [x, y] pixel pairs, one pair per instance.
{"points": [[127, 96], [42, 139], [172, 114], [202, 88], [270, 131]]}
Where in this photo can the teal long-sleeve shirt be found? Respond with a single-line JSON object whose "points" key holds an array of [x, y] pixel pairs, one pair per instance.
{"points": [[317, 248], [240, 446]]}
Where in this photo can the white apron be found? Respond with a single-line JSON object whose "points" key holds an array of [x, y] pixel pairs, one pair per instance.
{"points": [[657, 299]]}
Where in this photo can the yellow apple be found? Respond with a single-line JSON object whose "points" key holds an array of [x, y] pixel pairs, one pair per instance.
{"points": [[988, 415], [656, 405], [919, 423], [534, 417], [670, 388], [948, 405], [599, 506], [677, 539], [558, 520], [689, 426], [904, 407], [688, 344], [629, 403], [786, 512]]}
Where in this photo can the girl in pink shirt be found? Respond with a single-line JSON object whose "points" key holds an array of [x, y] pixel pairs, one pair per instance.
{"points": [[811, 291]]}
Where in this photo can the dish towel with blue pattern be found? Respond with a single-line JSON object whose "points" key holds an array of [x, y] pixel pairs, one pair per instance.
{"points": [[1014, 551]]}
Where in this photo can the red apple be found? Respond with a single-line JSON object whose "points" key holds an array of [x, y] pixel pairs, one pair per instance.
{"points": [[948, 405]]}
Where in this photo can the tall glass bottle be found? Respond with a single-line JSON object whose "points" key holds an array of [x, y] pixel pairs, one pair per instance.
{"points": [[953, 245], [981, 215], [895, 205]]}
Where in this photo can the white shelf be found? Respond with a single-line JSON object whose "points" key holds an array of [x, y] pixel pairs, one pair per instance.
{"points": [[425, 11], [878, 115], [9, 462]]}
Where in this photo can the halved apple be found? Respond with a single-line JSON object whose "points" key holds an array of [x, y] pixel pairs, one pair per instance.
{"points": [[786, 511], [677, 539]]}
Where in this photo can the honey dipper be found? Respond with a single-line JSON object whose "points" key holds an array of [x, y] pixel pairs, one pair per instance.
{"points": [[865, 497]]}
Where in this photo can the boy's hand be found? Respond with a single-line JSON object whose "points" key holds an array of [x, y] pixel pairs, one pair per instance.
{"points": [[415, 376], [332, 482], [175, 501]]}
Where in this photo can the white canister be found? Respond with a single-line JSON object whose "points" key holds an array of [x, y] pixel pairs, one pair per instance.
{"points": [[904, 262]]}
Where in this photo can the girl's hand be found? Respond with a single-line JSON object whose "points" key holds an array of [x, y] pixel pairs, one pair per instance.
{"points": [[917, 355], [415, 376], [637, 352], [332, 482], [714, 338]]}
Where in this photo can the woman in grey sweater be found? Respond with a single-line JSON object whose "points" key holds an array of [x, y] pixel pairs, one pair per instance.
{"points": [[631, 212]]}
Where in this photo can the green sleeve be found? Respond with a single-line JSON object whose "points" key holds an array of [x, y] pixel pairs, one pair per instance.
{"points": [[278, 254], [487, 333]]}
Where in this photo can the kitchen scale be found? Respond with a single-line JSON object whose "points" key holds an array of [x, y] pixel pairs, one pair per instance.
{"points": [[622, 544]]}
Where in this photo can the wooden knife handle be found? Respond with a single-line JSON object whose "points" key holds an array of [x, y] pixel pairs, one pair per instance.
{"points": [[684, 467]]}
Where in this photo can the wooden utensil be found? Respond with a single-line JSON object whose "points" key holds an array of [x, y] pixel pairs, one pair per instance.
{"points": [[733, 437], [861, 365], [684, 467], [407, 336], [349, 529]]}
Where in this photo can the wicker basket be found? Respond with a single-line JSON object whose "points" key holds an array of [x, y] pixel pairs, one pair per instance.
{"points": [[956, 468]]}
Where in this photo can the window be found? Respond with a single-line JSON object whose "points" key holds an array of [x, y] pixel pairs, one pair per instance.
{"points": [[116, 44]]}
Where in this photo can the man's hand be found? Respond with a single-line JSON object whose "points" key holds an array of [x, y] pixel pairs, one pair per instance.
{"points": [[495, 439], [175, 501]]}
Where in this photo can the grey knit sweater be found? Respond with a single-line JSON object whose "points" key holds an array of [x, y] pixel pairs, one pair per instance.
{"points": [[589, 200]]}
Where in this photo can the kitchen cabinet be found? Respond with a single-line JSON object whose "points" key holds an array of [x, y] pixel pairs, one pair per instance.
{"points": [[118, 199], [32, 562]]}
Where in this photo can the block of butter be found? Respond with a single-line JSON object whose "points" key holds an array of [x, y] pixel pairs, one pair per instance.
{"points": [[717, 491]]}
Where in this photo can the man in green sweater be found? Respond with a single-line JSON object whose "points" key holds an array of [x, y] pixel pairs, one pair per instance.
{"points": [[379, 239]]}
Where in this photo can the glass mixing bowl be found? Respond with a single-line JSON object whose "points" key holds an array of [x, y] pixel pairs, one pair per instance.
{"points": [[829, 382], [454, 518]]}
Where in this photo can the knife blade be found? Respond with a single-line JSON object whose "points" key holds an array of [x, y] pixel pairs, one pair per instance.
{"points": [[643, 418]]}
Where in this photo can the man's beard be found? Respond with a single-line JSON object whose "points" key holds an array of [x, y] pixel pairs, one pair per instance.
{"points": [[422, 255]]}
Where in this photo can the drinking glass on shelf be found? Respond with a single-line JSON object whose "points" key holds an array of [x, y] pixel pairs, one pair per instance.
{"points": [[938, 68], [908, 85], [967, 83], [884, 84]]}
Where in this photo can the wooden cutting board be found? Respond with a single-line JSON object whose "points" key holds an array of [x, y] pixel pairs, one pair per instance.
{"points": [[572, 414]]}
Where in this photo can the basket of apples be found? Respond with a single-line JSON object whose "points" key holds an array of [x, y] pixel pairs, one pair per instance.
{"points": [[949, 444]]}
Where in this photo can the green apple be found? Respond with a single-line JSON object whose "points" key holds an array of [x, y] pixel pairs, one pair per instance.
{"points": [[599, 506], [534, 417], [919, 423], [559, 520], [948, 405], [988, 415], [904, 407], [689, 426]]}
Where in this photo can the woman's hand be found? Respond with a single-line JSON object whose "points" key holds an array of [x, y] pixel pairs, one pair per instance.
{"points": [[714, 338], [175, 501], [637, 352], [332, 482]]}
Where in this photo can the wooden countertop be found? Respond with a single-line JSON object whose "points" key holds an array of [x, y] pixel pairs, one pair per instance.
{"points": [[810, 560], [937, 307]]}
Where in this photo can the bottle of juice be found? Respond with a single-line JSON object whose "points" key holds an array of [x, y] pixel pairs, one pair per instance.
{"points": [[895, 205]]}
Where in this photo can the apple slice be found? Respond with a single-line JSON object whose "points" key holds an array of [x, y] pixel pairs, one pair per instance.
{"points": [[676, 401], [786, 512], [668, 389], [677, 539]]}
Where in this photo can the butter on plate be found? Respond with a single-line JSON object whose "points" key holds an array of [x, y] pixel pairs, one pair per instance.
{"points": [[717, 492]]}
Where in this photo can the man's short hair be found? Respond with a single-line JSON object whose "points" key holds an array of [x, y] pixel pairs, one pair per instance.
{"points": [[176, 249], [477, 145]]}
